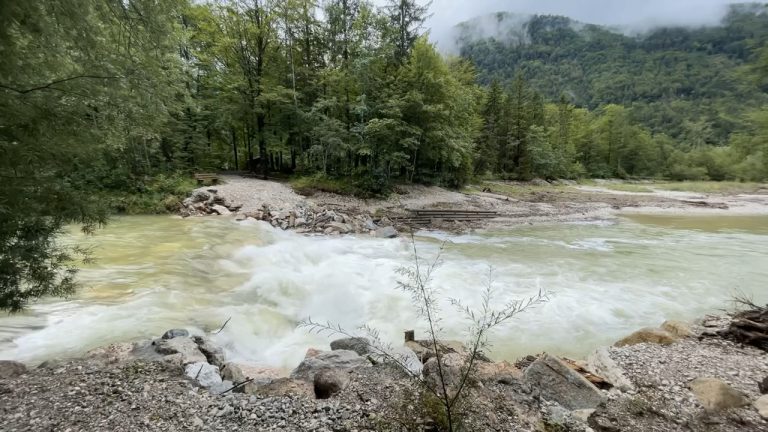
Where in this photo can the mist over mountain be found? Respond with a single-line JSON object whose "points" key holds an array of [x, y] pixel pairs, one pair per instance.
{"points": [[671, 77], [627, 17]]}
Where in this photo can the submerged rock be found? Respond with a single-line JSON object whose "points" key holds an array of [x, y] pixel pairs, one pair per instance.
{"points": [[174, 333], [648, 335], [386, 232], [556, 382], [716, 395]]}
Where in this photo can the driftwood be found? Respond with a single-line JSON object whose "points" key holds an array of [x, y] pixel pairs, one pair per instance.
{"points": [[749, 327]]}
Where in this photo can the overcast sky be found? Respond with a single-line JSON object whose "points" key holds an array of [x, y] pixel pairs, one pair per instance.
{"points": [[636, 14]]}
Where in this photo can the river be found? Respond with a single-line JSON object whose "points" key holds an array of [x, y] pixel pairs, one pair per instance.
{"points": [[607, 279]]}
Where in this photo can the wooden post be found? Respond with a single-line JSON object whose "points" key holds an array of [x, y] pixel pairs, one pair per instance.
{"points": [[410, 336]]}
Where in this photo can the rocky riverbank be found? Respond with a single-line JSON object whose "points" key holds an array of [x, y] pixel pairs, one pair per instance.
{"points": [[676, 377], [513, 203]]}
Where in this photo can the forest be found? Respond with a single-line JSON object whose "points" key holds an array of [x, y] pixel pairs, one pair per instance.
{"points": [[109, 106]]}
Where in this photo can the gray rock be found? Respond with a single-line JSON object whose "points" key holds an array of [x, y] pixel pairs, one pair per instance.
{"points": [[339, 359], [369, 225], [451, 367], [11, 369], [210, 350], [200, 196], [601, 364], [359, 345], [761, 405], [173, 333], [205, 373], [221, 387], [339, 227], [405, 358], [540, 182], [220, 209], [716, 395], [328, 382], [556, 382], [184, 348], [386, 232], [232, 372]]}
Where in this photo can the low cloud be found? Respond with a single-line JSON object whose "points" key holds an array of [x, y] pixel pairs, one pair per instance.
{"points": [[634, 16]]}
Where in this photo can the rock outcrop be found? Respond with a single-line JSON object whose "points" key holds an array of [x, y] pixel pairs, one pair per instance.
{"points": [[559, 383], [648, 335], [339, 359]]}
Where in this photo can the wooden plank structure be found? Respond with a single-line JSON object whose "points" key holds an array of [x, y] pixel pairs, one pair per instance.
{"points": [[427, 216], [206, 178]]}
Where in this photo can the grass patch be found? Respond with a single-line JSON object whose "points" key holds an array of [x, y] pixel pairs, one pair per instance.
{"points": [[628, 187], [160, 195], [311, 185], [724, 187]]}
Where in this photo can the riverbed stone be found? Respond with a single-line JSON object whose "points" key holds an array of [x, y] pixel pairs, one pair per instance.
{"points": [[339, 359], [11, 369], [557, 382], [204, 373], [210, 350], [174, 333], [328, 382], [386, 232], [220, 209], [648, 335], [715, 395], [761, 404], [601, 364], [677, 328], [183, 348], [360, 345]]}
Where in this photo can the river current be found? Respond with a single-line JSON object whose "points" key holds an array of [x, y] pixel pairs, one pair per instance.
{"points": [[607, 279]]}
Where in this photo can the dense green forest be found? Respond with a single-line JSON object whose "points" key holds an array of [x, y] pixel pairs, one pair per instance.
{"points": [[682, 103], [110, 105]]}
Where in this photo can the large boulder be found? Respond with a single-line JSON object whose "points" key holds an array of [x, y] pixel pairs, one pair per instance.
{"points": [[339, 359], [328, 382], [601, 364], [359, 345], [204, 373], [11, 369], [210, 350], [648, 335], [716, 395], [503, 372], [184, 350], [557, 382]]}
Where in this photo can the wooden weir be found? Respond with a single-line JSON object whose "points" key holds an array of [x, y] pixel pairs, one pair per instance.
{"points": [[427, 216]]}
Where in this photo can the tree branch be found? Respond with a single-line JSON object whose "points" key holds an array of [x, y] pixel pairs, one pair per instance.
{"points": [[52, 83]]}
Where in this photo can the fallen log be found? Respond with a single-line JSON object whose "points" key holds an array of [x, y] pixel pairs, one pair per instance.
{"points": [[749, 327]]}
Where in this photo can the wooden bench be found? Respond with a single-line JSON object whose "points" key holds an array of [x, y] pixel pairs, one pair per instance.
{"points": [[206, 178]]}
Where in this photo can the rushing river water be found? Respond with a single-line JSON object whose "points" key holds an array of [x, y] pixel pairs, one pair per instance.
{"points": [[607, 279]]}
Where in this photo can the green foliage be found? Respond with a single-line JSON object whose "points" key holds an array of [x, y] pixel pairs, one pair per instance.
{"points": [[158, 195]]}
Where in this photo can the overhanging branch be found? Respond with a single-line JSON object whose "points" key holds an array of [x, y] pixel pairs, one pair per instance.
{"points": [[52, 83]]}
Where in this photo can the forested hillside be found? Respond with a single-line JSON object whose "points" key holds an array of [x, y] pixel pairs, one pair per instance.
{"points": [[691, 90]]}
